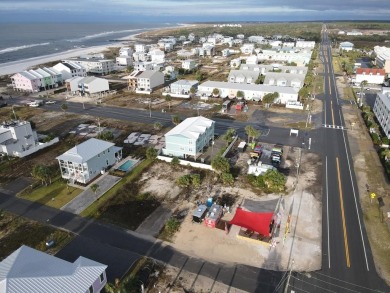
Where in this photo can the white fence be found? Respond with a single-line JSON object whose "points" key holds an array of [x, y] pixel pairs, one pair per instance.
{"points": [[294, 105], [186, 163], [36, 148]]}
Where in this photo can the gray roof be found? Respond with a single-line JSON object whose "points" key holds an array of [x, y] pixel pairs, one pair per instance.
{"points": [[191, 127], [244, 73], [289, 77], [186, 82], [148, 73], [85, 151], [249, 87], [28, 75], [33, 271]]}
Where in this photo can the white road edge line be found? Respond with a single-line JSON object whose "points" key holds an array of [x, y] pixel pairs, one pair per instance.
{"points": [[354, 195], [327, 205]]}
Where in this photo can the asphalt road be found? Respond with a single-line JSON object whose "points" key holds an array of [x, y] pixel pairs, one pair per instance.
{"points": [[119, 248], [269, 134], [347, 262]]}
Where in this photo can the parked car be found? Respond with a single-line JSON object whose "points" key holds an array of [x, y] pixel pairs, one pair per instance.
{"points": [[3, 104], [258, 149], [368, 89], [50, 102]]}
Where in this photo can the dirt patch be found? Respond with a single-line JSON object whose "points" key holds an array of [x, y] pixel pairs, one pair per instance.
{"points": [[302, 203]]}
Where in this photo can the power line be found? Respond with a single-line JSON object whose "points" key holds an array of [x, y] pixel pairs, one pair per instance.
{"points": [[281, 282], [349, 283], [328, 283], [314, 285]]}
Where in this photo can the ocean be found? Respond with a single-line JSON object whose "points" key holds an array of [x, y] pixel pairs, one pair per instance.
{"points": [[23, 41]]}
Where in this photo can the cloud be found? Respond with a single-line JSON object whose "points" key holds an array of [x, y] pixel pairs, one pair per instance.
{"points": [[213, 9]]}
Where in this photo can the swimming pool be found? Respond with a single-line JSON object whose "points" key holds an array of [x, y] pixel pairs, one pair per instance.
{"points": [[126, 166]]}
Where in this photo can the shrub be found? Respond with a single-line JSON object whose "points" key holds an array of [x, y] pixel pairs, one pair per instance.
{"points": [[172, 225], [227, 178], [375, 138], [175, 161]]}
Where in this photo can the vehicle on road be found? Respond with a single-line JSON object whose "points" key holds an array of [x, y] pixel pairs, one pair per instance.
{"points": [[3, 104], [50, 102], [36, 103], [368, 89]]}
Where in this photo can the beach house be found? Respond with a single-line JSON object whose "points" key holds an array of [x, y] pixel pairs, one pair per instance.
{"points": [[346, 46], [18, 139], [188, 64], [148, 81], [181, 88], [284, 79], [70, 69], [243, 76], [33, 271], [252, 92], [382, 111], [25, 81], [94, 64], [87, 160], [371, 75], [189, 137]]}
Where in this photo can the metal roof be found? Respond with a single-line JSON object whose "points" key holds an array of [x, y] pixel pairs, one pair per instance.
{"points": [[33, 271], [248, 87], [191, 127], [85, 151], [148, 73]]}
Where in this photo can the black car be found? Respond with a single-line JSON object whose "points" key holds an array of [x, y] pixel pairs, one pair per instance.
{"points": [[3, 104]]}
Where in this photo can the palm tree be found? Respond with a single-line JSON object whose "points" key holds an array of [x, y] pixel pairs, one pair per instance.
{"points": [[228, 136], [64, 107], [95, 187], [168, 98], [175, 119], [215, 92], [157, 125], [251, 132], [386, 154]]}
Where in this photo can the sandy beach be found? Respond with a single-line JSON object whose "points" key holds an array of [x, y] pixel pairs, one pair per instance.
{"points": [[20, 65]]}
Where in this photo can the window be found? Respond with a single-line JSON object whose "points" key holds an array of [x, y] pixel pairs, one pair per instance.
{"points": [[101, 278], [90, 290]]}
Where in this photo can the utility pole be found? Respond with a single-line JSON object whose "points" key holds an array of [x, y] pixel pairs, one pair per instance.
{"points": [[288, 278]]}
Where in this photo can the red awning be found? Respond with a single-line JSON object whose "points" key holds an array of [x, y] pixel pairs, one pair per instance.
{"points": [[258, 222]]}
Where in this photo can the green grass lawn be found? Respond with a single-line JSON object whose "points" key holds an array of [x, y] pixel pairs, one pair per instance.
{"points": [[16, 231], [55, 195], [92, 210]]}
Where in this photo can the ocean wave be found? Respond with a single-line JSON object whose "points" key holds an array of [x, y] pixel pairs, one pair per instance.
{"points": [[102, 34], [13, 49]]}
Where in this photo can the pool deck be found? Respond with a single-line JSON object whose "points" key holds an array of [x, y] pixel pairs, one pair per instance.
{"points": [[120, 163]]}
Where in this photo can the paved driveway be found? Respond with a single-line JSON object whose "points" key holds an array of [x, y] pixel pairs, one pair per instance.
{"points": [[87, 197]]}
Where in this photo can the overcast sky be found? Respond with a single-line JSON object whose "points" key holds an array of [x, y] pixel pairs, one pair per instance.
{"points": [[191, 10]]}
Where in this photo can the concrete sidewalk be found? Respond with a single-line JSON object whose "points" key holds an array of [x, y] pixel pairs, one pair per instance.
{"points": [[153, 224], [87, 197]]}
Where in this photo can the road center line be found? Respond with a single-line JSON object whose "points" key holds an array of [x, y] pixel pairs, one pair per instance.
{"points": [[356, 205], [343, 215], [327, 205]]}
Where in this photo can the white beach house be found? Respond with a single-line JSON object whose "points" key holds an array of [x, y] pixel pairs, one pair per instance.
{"points": [[189, 137], [30, 270], [18, 139], [87, 160]]}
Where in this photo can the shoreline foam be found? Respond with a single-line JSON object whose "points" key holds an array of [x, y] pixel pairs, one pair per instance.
{"points": [[20, 65]]}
